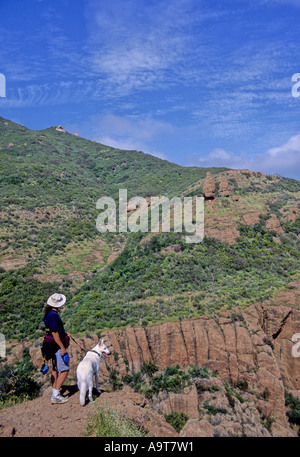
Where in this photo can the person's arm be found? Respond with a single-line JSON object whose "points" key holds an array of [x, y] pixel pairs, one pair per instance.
{"points": [[59, 342]]}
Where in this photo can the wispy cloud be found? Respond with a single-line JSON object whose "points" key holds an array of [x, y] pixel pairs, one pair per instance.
{"points": [[201, 73], [282, 2], [129, 133], [138, 47]]}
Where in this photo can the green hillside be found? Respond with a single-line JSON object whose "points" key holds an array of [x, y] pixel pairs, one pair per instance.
{"points": [[50, 181]]}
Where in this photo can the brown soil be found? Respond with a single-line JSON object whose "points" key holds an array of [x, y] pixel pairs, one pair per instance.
{"points": [[39, 418]]}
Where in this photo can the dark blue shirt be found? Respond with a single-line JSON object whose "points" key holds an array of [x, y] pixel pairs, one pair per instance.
{"points": [[53, 323]]}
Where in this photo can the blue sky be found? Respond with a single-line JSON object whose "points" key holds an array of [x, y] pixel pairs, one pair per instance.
{"points": [[196, 82]]}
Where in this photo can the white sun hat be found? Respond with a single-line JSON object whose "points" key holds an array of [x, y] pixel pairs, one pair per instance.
{"points": [[56, 300]]}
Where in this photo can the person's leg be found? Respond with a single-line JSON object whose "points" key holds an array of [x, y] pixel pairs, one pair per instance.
{"points": [[60, 379], [56, 397], [54, 376]]}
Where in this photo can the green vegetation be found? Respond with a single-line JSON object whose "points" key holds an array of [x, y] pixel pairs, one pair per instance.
{"points": [[17, 382], [172, 379], [213, 410], [22, 299], [293, 405], [50, 182], [145, 285], [107, 422], [177, 420]]}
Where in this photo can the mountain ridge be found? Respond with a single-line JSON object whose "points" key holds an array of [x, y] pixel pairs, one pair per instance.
{"points": [[50, 182]]}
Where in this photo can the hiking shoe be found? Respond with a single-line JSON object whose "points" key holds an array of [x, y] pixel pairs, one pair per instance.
{"points": [[58, 400]]}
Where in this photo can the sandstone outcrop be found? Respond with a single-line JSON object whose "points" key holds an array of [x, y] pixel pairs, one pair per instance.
{"points": [[224, 188], [251, 218], [228, 234], [59, 128], [290, 214], [209, 187], [273, 224], [185, 402]]}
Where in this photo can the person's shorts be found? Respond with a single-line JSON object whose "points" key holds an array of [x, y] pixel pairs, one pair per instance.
{"points": [[58, 364]]}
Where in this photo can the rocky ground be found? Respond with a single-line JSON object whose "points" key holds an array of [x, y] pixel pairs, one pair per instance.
{"points": [[39, 418], [212, 408]]}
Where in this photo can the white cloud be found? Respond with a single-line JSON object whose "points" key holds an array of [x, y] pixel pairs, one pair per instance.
{"points": [[130, 144], [136, 47], [284, 159], [129, 133], [131, 126]]}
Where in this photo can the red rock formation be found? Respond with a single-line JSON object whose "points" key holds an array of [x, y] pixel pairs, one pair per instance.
{"points": [[224, 188], [290, 214], [273, 224], [209, 186], [251, 218]]}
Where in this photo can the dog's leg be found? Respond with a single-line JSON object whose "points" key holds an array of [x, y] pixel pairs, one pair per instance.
{"points": [[97, 383], [90, 393], [82, 393]]}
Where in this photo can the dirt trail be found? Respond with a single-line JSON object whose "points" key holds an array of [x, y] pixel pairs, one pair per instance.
{"points": [[39, 418]]}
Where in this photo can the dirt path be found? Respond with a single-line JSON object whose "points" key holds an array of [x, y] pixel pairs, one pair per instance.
{"points": [[39, 418]]}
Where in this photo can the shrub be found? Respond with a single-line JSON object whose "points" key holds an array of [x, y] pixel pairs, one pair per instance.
{"points": [[242, 385], [177, 420], [149, 368], [114, 380], [202, 372], [211, 409], [293, 403], [17, 381], [110, 423]]}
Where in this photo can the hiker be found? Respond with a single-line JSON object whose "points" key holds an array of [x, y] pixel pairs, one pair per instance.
{"points": [[55, 344]]}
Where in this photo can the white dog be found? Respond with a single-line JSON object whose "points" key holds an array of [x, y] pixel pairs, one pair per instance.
{"points": [[88, 368]]}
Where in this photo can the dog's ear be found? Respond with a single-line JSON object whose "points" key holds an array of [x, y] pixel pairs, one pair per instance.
{"points": [[101, 341]]}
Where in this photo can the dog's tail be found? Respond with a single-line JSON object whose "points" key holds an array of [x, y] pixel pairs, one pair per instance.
{"points": [[82, 393]]}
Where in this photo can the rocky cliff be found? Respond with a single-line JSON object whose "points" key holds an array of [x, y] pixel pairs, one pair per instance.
{"points": [[250, 349]]}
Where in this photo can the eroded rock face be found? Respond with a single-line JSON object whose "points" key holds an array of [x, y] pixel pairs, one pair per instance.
{"points": [[290, 214], [59, 128], [226, 234], [185, 402], [253, 346], [224, 188], [273, 224], [251, 218], [209, 186]]}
